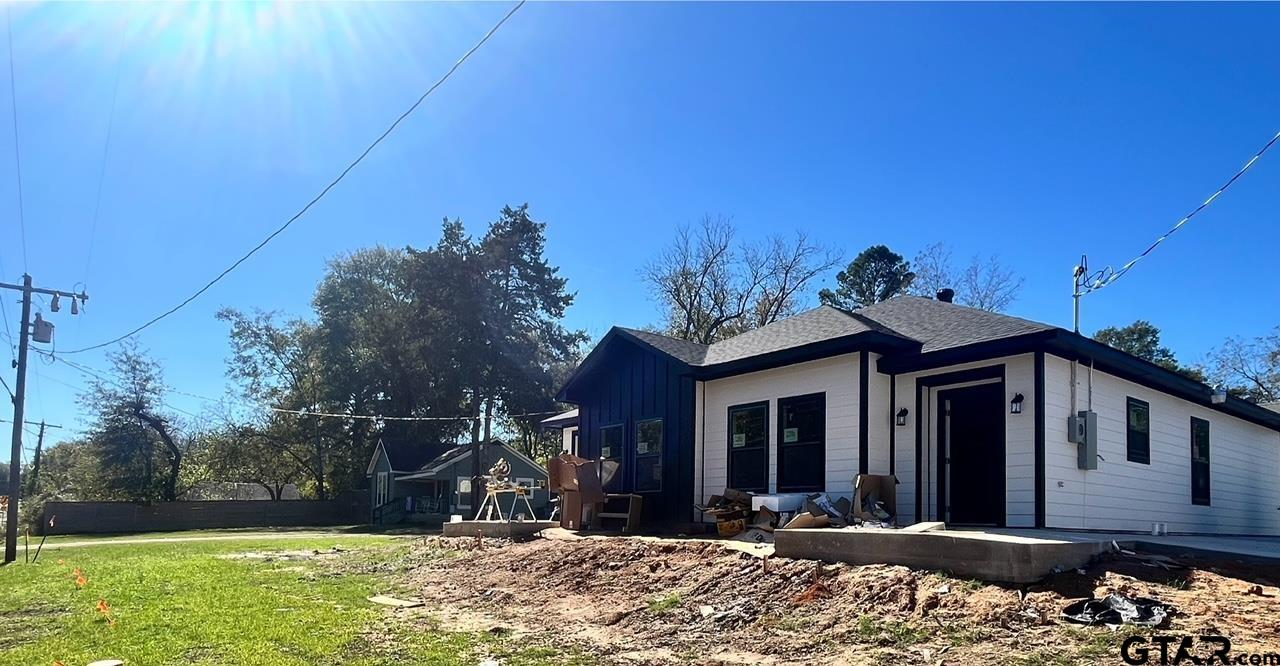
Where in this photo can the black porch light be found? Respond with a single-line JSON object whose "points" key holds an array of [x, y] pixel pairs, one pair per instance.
{"points": [[1015, 405], [901, 417]]}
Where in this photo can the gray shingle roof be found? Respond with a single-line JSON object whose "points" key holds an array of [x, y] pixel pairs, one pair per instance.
{"points": [[816, 325], [692, 353], [938, 325], [406, 456], [934, 324]]}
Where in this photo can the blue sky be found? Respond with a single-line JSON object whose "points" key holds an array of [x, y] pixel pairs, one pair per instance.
{"points": [[1036, 132]]}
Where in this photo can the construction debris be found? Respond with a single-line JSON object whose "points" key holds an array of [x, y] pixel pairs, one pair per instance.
{"points": [[1116, 609], [392, 601]]}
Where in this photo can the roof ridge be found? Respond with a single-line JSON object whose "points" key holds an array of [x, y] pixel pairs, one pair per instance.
{"points": [[661, 335]]}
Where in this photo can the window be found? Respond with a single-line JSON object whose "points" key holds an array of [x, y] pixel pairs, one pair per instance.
{"points": [[749, 447], [464, 492], [381, 494], [649, 455], [528, 483], [1199, 461], [612, 454], [573, 442], [802, 424], [1138, 423]]}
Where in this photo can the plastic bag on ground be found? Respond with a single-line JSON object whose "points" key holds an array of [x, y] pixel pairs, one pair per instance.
{"points": [[1117, 609]]}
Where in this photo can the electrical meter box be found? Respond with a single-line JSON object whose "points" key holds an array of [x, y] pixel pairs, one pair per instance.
{"points": [[1082, 429]]}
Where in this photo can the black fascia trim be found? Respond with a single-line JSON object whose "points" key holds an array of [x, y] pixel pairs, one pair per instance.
{"points": [[893, 423], [1041, 477], [995, 371], [864, 441], [1074, 347], [919, 453], [595, 358], [865, 341], [899, 364]]}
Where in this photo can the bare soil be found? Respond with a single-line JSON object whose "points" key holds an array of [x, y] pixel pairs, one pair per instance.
{"points": [[632, 601]]}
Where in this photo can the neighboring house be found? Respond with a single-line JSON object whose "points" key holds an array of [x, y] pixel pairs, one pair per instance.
{"points": [[567, 424], [968, 409], [440, 484]]}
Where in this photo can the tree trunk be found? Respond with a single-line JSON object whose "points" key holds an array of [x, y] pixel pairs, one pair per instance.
{"points": [[173, 454]]}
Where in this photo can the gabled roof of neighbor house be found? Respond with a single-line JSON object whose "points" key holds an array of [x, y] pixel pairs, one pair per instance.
{"points": [[404, 455], [911, 333]]}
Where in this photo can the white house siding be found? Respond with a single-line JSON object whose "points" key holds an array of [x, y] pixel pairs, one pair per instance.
{"points": [[837, 377], [1121, 495], [1019, 441], [879, 418]]}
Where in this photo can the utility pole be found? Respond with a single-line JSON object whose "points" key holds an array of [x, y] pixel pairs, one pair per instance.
{"points": [[35, 465], [43, 333]]}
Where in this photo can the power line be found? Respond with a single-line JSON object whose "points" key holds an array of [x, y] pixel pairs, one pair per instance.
{"points": [[102, 169], [280, 410], [17, 152], [315, 199], [1106, 276]]}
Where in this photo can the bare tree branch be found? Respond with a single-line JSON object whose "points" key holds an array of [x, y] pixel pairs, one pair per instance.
{"points": [[712, 287]]}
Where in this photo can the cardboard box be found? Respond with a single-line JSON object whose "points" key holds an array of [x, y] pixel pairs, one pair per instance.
{"points": [[728, 528], [871, 488]]}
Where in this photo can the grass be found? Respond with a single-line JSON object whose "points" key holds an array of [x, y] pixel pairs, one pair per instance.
{"points": [[872, 629], [189, 602], [664, 604]]}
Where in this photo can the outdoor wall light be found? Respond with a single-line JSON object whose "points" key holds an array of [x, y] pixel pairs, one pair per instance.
{"points": [[902, 416], [1219, 395], [1015, 405]]}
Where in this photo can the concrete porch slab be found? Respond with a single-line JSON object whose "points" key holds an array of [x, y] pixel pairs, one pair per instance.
{"points": [[986, 556], [497, 528]]}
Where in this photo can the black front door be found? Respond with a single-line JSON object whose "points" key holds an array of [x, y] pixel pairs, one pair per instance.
{"points": [[971, 446]]}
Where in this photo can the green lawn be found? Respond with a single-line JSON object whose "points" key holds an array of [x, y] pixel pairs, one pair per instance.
{"points": [[190, 603]]}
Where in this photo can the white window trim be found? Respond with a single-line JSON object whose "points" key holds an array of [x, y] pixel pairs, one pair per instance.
{"points": [[383, 491]]}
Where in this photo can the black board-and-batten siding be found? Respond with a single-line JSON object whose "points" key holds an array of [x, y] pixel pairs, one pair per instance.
{"points": [[629, 385]]}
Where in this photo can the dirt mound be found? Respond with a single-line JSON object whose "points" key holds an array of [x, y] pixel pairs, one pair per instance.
{"points": [[639, 601]]}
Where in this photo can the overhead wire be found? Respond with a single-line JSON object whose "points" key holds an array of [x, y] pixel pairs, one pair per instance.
{"points": [[102, 169], [333, 183], [17, 152], [301, 412], [1106, 276]]}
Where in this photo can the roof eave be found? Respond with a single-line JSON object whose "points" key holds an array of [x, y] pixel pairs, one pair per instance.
{"points": [[861, 341], [1074, 346], [565, 394]]}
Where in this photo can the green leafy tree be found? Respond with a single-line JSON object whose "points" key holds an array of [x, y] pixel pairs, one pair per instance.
{"points": [[134, 439], [276, 366], [238, 453], [876, 274], [1142, 339], [493, 310]]}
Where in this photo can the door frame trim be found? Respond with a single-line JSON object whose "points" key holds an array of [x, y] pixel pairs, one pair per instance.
{"points": [[938, 380]]}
